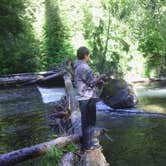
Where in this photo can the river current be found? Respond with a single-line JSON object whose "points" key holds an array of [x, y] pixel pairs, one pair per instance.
{"points": [[137, 139]]}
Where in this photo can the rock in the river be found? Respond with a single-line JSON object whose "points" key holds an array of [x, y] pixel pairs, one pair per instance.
{"points": [[118, 94]]}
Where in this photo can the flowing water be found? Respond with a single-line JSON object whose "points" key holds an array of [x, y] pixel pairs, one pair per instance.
{"points": [[138, 140]]}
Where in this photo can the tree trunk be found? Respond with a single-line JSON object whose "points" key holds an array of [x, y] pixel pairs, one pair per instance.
{"points": [[67, 160], [94, 158], [73, 105]]}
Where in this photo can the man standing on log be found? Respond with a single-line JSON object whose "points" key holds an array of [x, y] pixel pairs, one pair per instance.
{"points": [[85, 84]]}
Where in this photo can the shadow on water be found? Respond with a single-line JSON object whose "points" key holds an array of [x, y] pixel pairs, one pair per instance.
{"points": [[138, 140], [23, 119], [152, 97]]}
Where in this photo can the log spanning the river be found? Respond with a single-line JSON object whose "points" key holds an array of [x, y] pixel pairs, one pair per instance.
{"points": [[20, 155], [41, 78], [148, 80], [53, 77]]}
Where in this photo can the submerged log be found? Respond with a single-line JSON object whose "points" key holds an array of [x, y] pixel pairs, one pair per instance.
{"points": [[20, 155]]}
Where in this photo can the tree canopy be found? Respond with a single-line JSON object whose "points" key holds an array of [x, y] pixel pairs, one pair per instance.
{"points": [[126, 37]]}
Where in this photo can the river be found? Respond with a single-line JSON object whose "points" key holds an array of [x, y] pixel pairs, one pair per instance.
{"points": [[137, 140]]}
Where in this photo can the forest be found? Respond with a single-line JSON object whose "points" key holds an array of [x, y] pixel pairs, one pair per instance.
{"points": [[41, 119], [127, 36]]}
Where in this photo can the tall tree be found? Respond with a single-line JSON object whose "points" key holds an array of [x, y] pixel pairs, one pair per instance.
{"points": [[18, 46], [152, 35], [56, 35]]}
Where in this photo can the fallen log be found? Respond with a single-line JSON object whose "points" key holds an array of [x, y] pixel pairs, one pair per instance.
{"points": [[148, 80], [23, 79], [52, 76], [20, 155], [55, 79], [44, 73], [15, 80]]}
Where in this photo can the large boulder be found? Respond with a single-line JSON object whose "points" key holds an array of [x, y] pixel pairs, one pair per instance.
{"points": [[117, 93]]}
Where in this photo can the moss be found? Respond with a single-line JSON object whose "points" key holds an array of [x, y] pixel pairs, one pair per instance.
{"points": [[53, 156]]}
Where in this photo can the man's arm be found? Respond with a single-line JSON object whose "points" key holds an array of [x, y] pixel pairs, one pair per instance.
{"points": [[90, 80]]}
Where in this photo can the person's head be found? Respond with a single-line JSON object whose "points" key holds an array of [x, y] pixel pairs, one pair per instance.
{"points": [[83, 54]]}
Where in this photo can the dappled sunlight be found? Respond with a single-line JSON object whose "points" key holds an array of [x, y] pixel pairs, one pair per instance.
{"points": [[39, 17], [152, 97], [157, 92], [154, 108]]}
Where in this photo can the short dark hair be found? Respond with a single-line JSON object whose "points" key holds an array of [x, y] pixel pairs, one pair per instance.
{"points": [[81, 52]]}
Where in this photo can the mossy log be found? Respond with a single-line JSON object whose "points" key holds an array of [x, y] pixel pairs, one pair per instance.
{"points": [[20, 155]]}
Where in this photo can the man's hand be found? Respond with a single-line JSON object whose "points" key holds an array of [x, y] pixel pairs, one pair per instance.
{"points": [[101, 79]]}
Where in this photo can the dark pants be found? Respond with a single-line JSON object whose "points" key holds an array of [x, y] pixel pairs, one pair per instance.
{"points": [[88, 120]]}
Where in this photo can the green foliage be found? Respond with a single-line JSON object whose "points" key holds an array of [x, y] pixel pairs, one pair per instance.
{"points": [[126, 37], [20, 50], [150, 32], [55, 154], [123, 28], [106, 37], [18, 46], [56, 35]]}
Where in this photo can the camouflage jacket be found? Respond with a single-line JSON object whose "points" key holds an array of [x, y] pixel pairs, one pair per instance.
{"points": [[84, 81]]}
